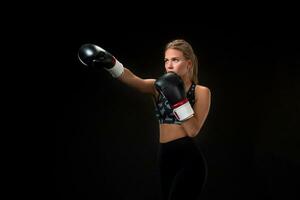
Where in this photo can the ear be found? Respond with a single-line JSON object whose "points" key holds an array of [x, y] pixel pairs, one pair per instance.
{"points": [[189, 65]]}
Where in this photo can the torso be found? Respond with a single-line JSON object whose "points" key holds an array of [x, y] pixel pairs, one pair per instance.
{"points": [[171, 131]]}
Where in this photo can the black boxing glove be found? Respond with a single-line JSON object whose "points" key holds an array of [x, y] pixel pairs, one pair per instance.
{"points": [[171, 86], [94, 56]]}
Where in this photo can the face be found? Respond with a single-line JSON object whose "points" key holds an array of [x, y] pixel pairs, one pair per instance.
{"points": [[175, 62]]}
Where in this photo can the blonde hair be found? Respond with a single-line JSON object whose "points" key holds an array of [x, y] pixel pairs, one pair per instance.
{"points": [[188, 53]]}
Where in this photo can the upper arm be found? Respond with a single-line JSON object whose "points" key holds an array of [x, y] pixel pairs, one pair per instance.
{"points": [[202, 104], [142, 85], [147, 86]]}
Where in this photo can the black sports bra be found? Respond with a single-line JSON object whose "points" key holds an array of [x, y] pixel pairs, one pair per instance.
{"points": [[163, 110]]}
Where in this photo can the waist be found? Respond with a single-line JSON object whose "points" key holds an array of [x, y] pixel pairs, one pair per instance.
{"points": [[180, 148], [170, 132]]}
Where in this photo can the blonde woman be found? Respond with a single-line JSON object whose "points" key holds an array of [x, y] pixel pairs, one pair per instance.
{"points": [[181, 105]]}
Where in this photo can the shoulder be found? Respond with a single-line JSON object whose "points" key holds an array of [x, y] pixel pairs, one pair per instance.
{"points": [[200, 89], [202, 92]]}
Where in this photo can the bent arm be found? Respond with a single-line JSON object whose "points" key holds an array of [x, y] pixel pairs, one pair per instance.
{"points": [[142, 85], [193, 125]]}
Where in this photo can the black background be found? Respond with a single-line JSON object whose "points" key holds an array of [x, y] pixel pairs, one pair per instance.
{"points": [[96, 137]]}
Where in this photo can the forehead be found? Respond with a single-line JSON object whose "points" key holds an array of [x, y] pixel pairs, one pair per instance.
{"points": [[169, 53]]}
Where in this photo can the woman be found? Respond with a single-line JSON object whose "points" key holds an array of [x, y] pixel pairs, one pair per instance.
{"points": [[182, 106]]}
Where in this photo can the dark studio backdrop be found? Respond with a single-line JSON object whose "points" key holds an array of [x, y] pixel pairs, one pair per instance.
{"points": [[104, 135]]}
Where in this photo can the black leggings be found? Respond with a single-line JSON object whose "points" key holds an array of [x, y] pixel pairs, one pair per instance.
{"points": [[183, 169]]}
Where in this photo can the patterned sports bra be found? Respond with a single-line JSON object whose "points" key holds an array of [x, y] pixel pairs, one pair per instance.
{"points": [[163, 110]]}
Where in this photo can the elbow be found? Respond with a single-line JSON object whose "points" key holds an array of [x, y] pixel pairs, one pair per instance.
{"points": [[192, 135], [192, 128], [193, 132]]}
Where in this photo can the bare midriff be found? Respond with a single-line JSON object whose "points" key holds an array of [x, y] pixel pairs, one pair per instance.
{"points": [[169, 132]]}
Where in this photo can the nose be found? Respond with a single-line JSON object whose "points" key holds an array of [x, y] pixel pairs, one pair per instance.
{"points": [[168, 65]]}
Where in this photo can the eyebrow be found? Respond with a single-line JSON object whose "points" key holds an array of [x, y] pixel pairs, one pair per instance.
{"points": [[176, 57]]}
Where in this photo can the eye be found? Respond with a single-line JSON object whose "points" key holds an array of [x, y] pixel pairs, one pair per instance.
{"points": [[175, 60]]}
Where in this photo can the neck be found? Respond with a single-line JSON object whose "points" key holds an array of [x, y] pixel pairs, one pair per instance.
{"points": [[187, 83]]}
